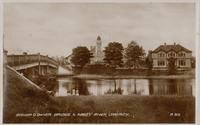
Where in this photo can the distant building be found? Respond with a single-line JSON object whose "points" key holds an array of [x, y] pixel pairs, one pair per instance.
{"points": [[182, 56], [97, 52]]}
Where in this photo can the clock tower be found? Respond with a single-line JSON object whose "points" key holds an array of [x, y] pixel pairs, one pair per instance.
{"points": [[98, 49]]}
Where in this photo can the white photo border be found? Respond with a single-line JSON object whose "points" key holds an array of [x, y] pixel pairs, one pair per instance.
{"points": [[197, 40]]}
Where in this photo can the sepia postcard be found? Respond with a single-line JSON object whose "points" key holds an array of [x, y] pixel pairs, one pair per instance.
{"points": [[105, 62]]}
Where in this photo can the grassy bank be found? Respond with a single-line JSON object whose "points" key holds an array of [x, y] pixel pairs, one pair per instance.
{"points": [[21, 97], [145, 109]]}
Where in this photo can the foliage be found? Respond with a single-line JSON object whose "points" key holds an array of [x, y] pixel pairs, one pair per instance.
{"points": [[114, 54], [193, 62], [98, 69], [80, 56], [133, 54], [149, 62], [172, 69]]}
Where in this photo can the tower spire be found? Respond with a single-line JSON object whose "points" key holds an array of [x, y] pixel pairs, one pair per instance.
{"points": [[98, 37]]}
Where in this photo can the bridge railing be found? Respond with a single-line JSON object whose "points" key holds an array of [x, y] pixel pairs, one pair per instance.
{"points": [[15, 60], [48, 60]]}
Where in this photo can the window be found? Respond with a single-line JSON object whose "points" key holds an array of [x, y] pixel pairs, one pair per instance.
{"points": [[161, 63], [182, 54], [181, 62], [171, 54], [161, 54]]}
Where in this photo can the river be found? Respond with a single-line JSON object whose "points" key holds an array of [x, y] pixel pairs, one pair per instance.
{"points": [[179, 87]]}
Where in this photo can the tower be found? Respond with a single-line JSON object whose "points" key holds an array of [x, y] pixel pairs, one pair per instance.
{"points": [[98, 49]]}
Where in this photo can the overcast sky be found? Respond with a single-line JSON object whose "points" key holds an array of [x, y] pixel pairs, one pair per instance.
{"points": [[55, 29]]}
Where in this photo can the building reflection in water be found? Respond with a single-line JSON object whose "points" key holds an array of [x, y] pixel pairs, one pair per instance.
{"points": [[126, 87]]}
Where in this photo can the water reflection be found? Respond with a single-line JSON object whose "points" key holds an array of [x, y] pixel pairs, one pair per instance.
{"points": [[71, 86]]}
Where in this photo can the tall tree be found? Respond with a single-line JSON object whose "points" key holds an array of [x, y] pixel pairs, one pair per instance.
{"points": [[133, 54], [172, 69], [114, 54], [149, 61], [80, 56]]}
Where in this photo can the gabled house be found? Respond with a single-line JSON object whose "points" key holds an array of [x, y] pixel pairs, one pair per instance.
{"points": [[161, 55]]}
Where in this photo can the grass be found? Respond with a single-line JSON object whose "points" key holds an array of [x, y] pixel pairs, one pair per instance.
{"points": [[21, 97], [146, 109]]}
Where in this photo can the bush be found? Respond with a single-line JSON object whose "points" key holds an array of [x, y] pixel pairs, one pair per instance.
{"points": [[98, 69]]}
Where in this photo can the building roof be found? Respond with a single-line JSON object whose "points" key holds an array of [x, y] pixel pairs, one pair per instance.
{"points": [[174, 47]]}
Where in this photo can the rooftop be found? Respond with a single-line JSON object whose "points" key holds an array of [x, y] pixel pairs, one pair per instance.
{"points": [[175, 47]]}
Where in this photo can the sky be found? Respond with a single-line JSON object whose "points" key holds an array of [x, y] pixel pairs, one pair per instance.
{"points": [[54, 29]]}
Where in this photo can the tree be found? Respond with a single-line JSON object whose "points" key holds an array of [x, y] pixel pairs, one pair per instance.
{"points": [[80, 56], [149, 62], [133, 54], [193, 62], [172, 69], [114, 54]]}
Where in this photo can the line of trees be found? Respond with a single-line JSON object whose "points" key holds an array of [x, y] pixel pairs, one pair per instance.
{"points": [[115, 55]]}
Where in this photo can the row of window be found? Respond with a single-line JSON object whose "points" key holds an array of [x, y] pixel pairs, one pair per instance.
{"points": [[180, 63], [172, 54], [161, 63]]}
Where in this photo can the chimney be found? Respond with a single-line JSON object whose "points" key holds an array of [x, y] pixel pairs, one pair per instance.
{"points": [[174, 43], [165, 44]]}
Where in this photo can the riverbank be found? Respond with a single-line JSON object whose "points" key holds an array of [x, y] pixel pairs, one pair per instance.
{"points": [[22, 97], [91, 76]]}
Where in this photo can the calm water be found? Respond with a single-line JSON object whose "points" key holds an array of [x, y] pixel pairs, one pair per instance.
{"points": [[69, 86]]}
